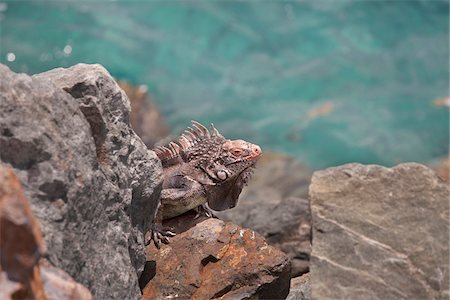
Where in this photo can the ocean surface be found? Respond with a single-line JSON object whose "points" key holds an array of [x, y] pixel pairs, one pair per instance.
{"points": [[328, 82]]}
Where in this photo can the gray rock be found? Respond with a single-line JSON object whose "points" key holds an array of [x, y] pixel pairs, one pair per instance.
{"points": [[300, 288], [92, 183], [379, 233], [275, 205]]}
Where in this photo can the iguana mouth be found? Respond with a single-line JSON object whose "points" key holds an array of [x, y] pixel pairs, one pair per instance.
{"points": [[256, 153], [255, 156]]}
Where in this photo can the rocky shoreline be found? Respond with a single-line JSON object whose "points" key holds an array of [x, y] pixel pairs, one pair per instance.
{"points": [[73, 168]]}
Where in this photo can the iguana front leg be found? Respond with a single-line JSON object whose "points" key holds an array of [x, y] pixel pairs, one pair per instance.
{"points": [[180, 195], [158, 233], [176, 201]]}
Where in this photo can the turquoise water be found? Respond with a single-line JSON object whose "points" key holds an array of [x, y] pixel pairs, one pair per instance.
{"points": [[328, 82]]}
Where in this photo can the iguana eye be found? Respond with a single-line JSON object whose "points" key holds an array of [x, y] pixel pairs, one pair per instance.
{"points": [[222, 175], [236, 152]]}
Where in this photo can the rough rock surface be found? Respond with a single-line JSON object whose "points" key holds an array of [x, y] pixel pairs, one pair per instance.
{"points": [[300, 288], [92, 183], [379, 233], [215, 259], [146, 119], [275, 205], [23, 273]]}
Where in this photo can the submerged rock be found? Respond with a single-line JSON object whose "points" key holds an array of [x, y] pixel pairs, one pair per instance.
{"points": [[92, 183], [23, 273], [379, 233], [215, 259], [275, 205]]}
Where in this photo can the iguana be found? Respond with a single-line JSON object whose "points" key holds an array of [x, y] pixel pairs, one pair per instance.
{"points": [[201, 167]]}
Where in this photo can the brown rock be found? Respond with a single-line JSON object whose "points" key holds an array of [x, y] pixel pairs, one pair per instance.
{"points": [[145, 116], [216, 259], [21, 242], [379, 233]]}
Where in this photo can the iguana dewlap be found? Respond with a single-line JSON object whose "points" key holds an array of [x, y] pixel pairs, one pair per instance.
{"points": [[203, 167]]}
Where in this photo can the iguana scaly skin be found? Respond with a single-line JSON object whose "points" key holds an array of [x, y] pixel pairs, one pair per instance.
{"points": [[202, 167]]}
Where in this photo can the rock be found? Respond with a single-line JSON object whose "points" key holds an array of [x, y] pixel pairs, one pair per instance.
{"points": [[275, 205], [146, 119], [379, 233], [23, 273], [300, 288], [92, 183], [215, 259], [58, 285], [21, 243]]}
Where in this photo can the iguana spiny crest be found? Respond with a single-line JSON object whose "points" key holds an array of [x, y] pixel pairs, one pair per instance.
{"points": [[222, 166]]}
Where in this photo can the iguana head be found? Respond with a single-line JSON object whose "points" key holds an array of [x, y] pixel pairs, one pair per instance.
{"points": [[233, 167], [236, 156], [227, 164]]}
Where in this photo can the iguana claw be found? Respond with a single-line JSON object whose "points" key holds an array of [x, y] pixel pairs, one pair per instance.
{"points": [[203, 209], [159, 234]]}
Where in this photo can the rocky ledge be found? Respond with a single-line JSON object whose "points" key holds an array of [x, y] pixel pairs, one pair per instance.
{"points": [[214, 259]]}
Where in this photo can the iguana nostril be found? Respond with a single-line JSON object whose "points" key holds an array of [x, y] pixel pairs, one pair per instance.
{"points": [[257, 149]]}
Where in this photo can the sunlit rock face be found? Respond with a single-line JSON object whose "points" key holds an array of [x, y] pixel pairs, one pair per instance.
{"points": [[92, 183], [379, 233], [214, 259]]}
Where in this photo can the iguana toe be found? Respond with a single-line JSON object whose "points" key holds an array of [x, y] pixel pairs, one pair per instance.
{"points": [[203, 209], [159, 234]]}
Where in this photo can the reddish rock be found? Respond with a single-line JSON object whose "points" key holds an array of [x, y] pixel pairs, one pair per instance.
{"points": [[23, 274], [21, 242], [215, 259], [58, 285]]}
